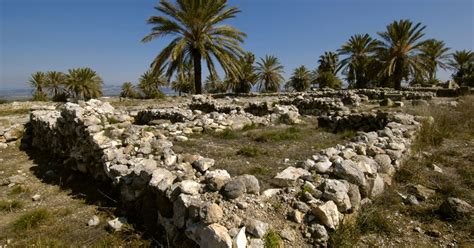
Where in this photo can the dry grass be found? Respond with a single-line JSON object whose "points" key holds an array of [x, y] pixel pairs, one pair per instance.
{"points": [[10, 205], [31, 220]]}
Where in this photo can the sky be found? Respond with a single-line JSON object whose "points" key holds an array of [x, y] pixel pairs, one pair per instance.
{"points": [[42, 35]]}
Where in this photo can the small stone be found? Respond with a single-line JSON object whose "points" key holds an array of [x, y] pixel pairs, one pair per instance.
{"points": [[93, 221], [36, 197], [203, 164], [242, 205], [256, 228], [181, 138], [296, 216], [418, 229], [288, 234], [454, 208], [215, 235], [421, 192], [319, 233], [256, 243], [233, 189], [211, 213], [436, 168], [433, 233], [411, 200], [240, 240], [117, 223]]}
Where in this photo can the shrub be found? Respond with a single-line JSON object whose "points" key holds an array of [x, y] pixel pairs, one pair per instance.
{"points": [[290, 133], [248, 151], [272, 240]]}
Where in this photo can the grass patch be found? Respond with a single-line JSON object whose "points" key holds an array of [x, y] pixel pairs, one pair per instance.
{"points": [[7, 112], [10, 205], [291, 133], [348, 134], [250, 127], [273, 240], [227, 134], [31, 220], [112, 120], [18, 190], [374, 221], [258, 170], [250, 151]]}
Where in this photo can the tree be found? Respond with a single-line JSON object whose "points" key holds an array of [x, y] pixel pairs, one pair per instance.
{"points": [[150, 83], [301, 79], [462, 62], [128, 90], [38, 81], [401, 44], [184, 79], [269, 74], [56, 83], [84, 83], [213, 84], [195, 24], [359, 51], [326, 74], [247, 77], [434, 54]]}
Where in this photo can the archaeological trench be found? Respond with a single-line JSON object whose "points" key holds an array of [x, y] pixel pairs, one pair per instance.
{"points": [[195, 204]]}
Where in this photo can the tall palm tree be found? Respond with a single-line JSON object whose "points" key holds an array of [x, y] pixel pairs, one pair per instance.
{"points": [[301, 79], [199, 35], [401, 43], [434, 53], [359, 51], [128, 90], [150, 83], [56, 82], [269, 74], [38, 81], [462, 63], [84, 83], [247, 77]]}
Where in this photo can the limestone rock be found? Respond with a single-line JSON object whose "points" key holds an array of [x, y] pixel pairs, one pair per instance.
{"points": [[289, 176], [337, 191], [421, 192], [240, 240], [256, 228], [454, 208], [327, 214], [233, 189], [215, 236], [117, 223], [162, 179], [203, 164], [211, 213], [93, 221]]}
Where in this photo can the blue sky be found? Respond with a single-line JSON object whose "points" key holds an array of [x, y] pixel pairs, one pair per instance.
{"points": [[105, 34]]}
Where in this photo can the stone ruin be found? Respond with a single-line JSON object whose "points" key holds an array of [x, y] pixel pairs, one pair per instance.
{"points": [[197, 205]]}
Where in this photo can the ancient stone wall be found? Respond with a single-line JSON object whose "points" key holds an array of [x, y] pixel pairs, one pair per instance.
{"points": [[182, 194]]}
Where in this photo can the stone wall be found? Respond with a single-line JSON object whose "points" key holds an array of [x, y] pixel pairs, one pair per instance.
{"points": [[183, 195]]}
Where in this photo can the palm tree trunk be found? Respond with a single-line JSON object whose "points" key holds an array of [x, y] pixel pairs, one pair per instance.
{"points": [[397, 76], [197, 71]]}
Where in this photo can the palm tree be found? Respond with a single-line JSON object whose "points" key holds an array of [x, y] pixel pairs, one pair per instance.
{"points": [[462, 63], [38, 81], [128, 90], [213, 84], [329, 62], [56, 82], [84, 83], [195, 24], [359, 51], [301, 79], [150, 83], [401, 43], [434, 53], [247, 77], [269, 74], [326, 74]]}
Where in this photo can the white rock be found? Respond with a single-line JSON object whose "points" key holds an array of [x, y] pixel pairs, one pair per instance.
{"points": [[189, 187], [327, 214], [289, 176], [181, 138], [117, 223], [240, 240], [36, 197], [93, 221]]}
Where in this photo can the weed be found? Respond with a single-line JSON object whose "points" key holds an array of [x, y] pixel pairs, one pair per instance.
{"points": [[112, 120], [148, 129], [346, 235], [17, 190], [31, 220], [272, 240], [10, 205], [249, 151], [348, 134], [291, 133], [7, 112], [249, 127]]}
